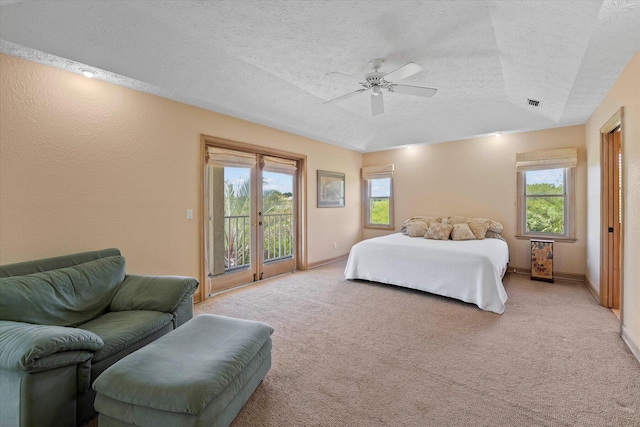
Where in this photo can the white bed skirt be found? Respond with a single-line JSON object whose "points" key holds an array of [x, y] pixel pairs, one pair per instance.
{"points": [[469, 270]]}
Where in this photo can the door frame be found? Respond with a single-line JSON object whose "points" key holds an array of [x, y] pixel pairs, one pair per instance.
{"points": [[300, 208], [615, 122]]}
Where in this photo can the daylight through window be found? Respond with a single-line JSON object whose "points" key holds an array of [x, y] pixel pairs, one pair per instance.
{"points": [[378, 196], [545, 193]]}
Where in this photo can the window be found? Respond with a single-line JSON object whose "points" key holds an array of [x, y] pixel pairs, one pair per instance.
{"points": [[546, 193], [378, 196]]}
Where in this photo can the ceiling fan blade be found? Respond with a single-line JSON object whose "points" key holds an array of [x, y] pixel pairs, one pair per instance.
{"points": [[377, 105], [403, 72], [413, 90], [340, 98]]}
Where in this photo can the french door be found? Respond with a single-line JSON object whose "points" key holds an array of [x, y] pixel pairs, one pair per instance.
{"points": [[250, 219]]}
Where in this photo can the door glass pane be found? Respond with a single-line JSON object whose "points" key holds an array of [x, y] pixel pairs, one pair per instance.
{"points": [[277, 216], [228, 229], [237, 218]]}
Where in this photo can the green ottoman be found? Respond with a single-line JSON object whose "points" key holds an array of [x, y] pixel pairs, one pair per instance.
{"points": [[200, 374]]}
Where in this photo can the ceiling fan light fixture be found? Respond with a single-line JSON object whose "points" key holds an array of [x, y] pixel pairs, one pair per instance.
{"points": [[376, 91]]}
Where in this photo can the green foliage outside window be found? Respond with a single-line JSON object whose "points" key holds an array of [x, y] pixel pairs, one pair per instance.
{"points": [[278, 230], [379, 199], [380, 211], [545, 208]]}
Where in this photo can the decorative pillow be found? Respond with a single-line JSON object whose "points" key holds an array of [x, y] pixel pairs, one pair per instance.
{"points": [[456, 220], [494, 226], [462, 232], [425, 221], [416, 229], [420, 218], [438, 231], [479, 228], [493, 235]]}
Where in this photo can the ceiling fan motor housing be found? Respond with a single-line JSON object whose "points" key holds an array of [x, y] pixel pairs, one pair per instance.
{"points": [[376, 79]]}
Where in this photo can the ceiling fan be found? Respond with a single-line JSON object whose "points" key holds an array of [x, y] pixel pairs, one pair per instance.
{"points": [[377, 81]]}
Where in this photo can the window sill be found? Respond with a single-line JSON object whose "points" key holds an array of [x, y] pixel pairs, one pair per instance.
{"points": [[379, 227], [538, 237]]}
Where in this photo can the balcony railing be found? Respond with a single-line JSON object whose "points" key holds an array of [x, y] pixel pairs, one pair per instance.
{"points": [[237, 242], [278, 235], [277, 239]]}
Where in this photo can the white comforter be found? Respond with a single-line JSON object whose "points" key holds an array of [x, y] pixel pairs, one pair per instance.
{"points": [[470, 270]]}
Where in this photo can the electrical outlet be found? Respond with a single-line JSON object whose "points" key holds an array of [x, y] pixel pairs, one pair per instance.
{"points": [[335, 245], [189, 213]]}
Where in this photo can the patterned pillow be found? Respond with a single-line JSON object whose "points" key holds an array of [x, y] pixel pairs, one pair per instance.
{"points": [[493, 235], [494, 226], [423, 218], [425, 221], [417, 228], [462, 232], [479, 228], [456, 220], [438, 231]]}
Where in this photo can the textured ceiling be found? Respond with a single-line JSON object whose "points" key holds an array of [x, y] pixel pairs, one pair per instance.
{"points": [[266, 61]]}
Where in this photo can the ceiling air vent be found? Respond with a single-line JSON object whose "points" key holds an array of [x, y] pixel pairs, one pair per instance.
{"points": [[533, 102]]}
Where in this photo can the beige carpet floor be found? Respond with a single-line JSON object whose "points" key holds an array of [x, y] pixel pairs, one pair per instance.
{"points": [[353, 353]]}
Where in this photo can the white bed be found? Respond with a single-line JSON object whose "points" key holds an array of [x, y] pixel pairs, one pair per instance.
{"points": [[469, 270]]}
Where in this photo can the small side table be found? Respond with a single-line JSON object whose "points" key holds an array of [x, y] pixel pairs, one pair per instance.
{"points": [[542, 260]]}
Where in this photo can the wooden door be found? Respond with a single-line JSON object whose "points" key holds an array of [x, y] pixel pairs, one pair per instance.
{"points": [[612, 200]]}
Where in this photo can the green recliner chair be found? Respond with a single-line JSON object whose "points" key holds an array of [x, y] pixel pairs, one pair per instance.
{"points": [[64, 320]]}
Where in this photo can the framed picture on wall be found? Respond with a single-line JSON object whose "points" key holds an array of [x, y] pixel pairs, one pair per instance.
{"points": [[542, 260], [330, 189]]}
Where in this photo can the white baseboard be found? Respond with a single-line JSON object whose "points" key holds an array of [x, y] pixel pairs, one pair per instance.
{"points": [[592, 288], [569, 277], [317, 264], [631, 343]]}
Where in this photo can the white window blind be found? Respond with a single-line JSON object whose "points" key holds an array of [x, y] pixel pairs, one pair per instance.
{"points": [[276, 164], [229, 158], [377, 172], [547, 159]]}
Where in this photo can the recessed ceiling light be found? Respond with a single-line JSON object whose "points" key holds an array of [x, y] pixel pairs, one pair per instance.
{"points": [[87, 73]]}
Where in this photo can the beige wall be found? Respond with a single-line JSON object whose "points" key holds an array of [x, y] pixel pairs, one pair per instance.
{"points": [[477, 177], [624, 93], [86, 164]]}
